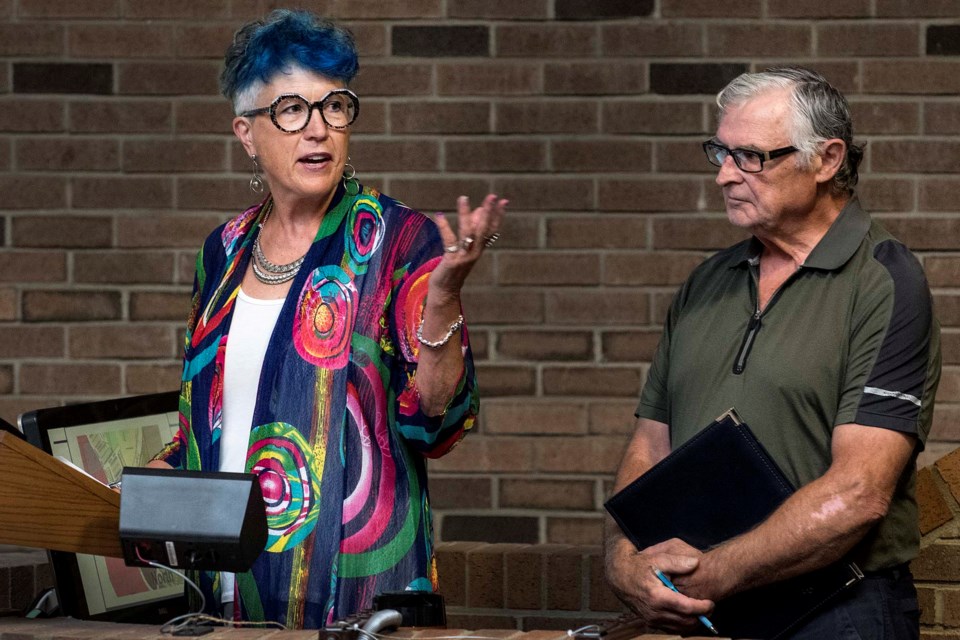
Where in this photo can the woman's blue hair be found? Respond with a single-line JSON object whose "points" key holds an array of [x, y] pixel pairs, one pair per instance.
{"points": [[286, 38]]}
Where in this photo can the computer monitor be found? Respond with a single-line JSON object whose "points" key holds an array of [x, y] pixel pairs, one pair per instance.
{"points": [[101, 438]]}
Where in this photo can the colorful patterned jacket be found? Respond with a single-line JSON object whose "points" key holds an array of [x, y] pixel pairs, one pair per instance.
{"points": [[338, 439]]}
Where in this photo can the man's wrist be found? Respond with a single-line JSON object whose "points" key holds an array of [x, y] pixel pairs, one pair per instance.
{"points": [[722, 576], [618, 551]]}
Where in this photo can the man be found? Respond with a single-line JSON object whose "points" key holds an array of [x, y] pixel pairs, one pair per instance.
{"points": [[819, 331]]}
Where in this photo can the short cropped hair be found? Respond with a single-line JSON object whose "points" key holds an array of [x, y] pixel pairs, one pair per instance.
{"points": [[820, 113], [283, 40]]}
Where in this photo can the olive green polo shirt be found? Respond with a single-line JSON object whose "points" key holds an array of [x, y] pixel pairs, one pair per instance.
{"points": [[849, 338]]}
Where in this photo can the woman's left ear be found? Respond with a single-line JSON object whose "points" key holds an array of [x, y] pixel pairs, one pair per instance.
{"points": [[244, 133], [831, 159]]}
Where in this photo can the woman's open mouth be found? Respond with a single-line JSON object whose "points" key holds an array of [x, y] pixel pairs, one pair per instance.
{"points": [[316, 159]]}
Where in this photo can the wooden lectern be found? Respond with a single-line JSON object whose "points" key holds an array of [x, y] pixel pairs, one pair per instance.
{"points": [[46, 504]]}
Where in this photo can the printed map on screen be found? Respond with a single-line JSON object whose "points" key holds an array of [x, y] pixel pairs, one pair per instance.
{"points": [[102, 450]]}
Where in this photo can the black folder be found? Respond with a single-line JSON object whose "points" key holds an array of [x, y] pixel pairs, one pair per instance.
{"points": [[720, 484]]}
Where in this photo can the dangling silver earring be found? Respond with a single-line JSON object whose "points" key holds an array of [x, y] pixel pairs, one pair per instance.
{"points": [[256, 182], [349, 180]]}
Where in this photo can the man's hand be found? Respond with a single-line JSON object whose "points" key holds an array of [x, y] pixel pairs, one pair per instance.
{"points": [[630, 573]]}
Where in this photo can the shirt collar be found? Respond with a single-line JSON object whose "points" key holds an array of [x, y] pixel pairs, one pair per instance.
{"points": [[834, 249]]}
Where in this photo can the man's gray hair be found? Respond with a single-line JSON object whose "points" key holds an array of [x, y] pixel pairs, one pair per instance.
{"points": [[820, 113]]}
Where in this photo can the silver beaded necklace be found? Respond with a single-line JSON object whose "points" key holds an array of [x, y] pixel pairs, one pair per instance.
{"points": [[266, 271]]}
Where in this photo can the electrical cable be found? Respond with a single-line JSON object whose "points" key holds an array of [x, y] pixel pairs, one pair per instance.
{"points": [[182, 621], [586, 631], [173, 625]]}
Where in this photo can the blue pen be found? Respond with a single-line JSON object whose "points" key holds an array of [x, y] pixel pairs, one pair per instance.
{"points": [[666, 582]]}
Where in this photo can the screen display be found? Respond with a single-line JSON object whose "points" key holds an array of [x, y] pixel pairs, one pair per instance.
{"points": [[102, 450], [101, 438]]}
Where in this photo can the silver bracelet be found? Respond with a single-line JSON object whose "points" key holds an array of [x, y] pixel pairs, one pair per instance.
{"points": [[442, 341]]}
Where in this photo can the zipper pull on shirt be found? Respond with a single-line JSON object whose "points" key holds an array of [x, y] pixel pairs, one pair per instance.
{"points": [[753, 326]]}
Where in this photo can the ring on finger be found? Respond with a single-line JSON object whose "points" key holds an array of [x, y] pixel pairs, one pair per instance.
{"points": [[466, 243], [491, 239], [453, 248]]}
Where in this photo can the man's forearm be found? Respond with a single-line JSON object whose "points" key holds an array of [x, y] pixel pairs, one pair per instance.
{"points": [[814, 528], [818, 524], [650, 444]]}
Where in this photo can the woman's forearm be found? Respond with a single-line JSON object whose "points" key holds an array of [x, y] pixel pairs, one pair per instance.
{"points": [[440, 367]]}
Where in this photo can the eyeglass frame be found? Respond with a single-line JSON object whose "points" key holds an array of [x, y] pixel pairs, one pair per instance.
{"points": [[318, 105], [764, 156]]}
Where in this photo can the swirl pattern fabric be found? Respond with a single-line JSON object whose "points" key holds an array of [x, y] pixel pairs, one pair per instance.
{"points": [[325, 312], [338, 440], [283, 462]]}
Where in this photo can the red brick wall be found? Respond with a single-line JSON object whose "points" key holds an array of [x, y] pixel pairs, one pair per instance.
{"points": [[116, 158]]}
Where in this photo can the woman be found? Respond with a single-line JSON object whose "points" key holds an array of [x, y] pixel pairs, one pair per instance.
{"points": [[325, 350]]}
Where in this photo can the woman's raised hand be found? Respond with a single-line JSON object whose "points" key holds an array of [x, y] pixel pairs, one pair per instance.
{"points": [[477, 230]]}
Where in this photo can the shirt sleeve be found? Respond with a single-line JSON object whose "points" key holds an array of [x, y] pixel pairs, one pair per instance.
{"points": [[654, 399], [433, 436], [894, 358]]}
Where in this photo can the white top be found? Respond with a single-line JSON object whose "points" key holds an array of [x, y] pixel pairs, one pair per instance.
{"points": [[250, 331]]}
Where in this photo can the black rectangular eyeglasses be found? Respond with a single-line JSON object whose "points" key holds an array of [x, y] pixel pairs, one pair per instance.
{"points": [[746, 160]]}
